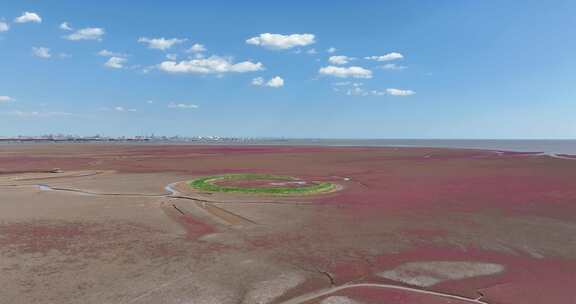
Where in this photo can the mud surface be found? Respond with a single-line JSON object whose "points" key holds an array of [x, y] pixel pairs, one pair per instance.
{"points": [[114, 224]]}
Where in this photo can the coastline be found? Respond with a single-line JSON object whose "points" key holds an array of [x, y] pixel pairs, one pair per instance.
{"points": [[552, 147]]}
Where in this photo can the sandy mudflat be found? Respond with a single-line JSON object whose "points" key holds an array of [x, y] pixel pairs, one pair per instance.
{"points": [[469, 226]]}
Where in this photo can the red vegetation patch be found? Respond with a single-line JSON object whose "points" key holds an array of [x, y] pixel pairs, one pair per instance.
{"points": [[194, 228]]}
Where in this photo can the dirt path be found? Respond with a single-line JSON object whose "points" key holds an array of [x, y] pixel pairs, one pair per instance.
{"points": [[20, 180], [45, 187], [225, 216]]}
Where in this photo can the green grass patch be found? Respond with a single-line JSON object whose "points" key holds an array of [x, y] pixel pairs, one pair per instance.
{"points": [[208, 183]]}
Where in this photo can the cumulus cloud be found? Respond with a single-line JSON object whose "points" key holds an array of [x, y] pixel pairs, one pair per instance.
{"points": [[107, 53], [89, 33], [281, 42], [386, 57], [345, 72], [210, 65], [4, 27], [197, 48], [160, 43], [393, 66], [274, 82], [27, 17], [331, 50], [5, 99], [41, 52], [399, 92], [65, 26], [115, 62], [173, 105], [341, 59]]}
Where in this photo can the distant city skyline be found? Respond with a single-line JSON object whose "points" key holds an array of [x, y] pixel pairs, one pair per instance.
{"points": [[390, 69]]}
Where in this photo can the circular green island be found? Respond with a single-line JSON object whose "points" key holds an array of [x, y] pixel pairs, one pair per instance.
{"points": [[252, 183]]}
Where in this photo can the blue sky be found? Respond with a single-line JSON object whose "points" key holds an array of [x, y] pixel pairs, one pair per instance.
{"points": [[340, 69]]}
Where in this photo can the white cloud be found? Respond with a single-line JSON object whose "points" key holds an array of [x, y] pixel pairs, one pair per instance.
{"points": [[393, 66], [357, 89], [123, 109], [35, 114], [4, 27], [357, 92], [28, 17], [89, 33], [258, 81], [345, 72], [160, 43], [386, 57], [172, 57], [354, 88], [331, 50], [65, 26], [150, 101], [274, 82], [145, 69], [343, 83], [41, 52], [398, 92], [210, 65], [281, 42], [107, 53], [115, 62], [173, 105], [339, 59], [6, 99], [197, 48]]}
